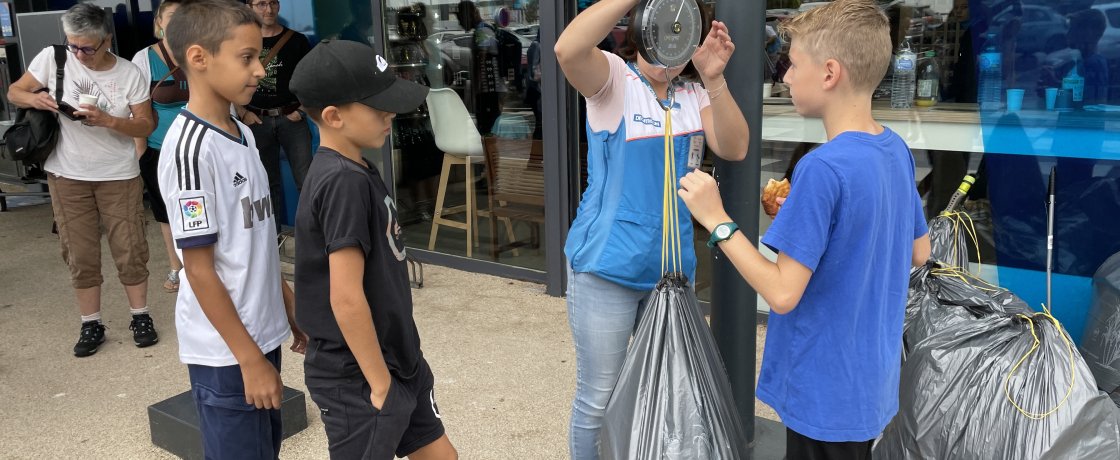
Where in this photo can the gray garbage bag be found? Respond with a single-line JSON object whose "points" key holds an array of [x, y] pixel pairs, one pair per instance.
{"points": [[1101, 343], [673, 398], [961, 384], [941, 296], [949, 235]]}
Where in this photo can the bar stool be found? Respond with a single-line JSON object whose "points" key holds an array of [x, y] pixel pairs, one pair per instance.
{"points": [[457, 136]]}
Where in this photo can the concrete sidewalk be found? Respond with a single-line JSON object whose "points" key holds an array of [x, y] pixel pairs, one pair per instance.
{"points": [[501, 351]]}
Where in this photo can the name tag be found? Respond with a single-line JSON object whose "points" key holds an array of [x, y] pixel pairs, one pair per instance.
{"points": [[696, 151]]}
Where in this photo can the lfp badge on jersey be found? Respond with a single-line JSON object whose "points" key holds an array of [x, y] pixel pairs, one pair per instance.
{"points": [[194, 214]]}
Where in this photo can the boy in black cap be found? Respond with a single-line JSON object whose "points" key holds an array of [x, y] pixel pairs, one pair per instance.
{"points": [[364, 368]]}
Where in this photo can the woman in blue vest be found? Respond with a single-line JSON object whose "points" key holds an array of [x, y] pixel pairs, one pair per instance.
{"points": [[169, 96], [614, 245]]}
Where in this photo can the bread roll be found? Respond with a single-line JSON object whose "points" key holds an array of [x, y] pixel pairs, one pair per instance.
{"points": [[771, 193]]}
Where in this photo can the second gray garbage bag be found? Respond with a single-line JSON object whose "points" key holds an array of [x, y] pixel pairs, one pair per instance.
{"points": [[673, 399], [1101, 343], [1000, 386]]}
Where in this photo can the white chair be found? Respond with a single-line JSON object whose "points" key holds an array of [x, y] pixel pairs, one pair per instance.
{"points": [[456, 135]]}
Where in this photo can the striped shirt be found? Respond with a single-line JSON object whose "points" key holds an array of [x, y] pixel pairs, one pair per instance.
{"points": [[217, 194]]}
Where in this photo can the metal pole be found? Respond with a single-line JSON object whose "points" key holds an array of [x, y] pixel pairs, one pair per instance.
{"points": [[734, 303], [558, 100]]}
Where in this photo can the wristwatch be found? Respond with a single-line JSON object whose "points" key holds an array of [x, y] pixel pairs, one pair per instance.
{"points": [[722, 233]]}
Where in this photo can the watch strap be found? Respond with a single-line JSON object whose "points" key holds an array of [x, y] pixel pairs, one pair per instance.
{"points": [[731, 227]]}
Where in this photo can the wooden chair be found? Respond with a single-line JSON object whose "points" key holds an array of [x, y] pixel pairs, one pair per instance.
{"points": [[516, 186]]}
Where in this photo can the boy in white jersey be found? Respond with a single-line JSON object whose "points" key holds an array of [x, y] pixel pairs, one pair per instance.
{"points": [[234, 310]]}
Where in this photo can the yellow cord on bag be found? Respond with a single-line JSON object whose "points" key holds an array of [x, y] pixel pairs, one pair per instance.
{"points": [[958, 218], [670, 212], [1072, 368], [965, 276]]}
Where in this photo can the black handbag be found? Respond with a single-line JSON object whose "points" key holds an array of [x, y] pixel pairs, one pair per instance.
{"points": [[33, 136]]}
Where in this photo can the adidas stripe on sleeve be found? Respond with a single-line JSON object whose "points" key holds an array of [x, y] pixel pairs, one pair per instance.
{"points": [[186, 178]]}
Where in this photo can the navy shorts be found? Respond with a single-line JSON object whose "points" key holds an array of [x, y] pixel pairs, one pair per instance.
{"points": [[408, 420], [232, 429]]}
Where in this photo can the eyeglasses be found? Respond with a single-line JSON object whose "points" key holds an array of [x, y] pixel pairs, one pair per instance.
{"points": [[84, 49], [265, 5]]}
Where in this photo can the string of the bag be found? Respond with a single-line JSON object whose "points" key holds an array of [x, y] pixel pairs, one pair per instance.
{"points": [[958, 218], [1034, 347], [670, 211], [962, 220]]}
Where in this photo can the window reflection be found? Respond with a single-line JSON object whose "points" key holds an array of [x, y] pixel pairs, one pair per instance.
{"points": [[468, 169], [1025, 86]]}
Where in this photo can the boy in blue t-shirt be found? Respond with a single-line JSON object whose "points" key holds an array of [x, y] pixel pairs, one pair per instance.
{"points": [[846, 238]]}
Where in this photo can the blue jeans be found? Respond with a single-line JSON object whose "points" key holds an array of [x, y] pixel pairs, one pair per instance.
{"points": [[603, 316]]}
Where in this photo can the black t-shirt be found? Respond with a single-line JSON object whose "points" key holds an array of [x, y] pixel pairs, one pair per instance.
{"points": [[272, 91], [346, 204]]}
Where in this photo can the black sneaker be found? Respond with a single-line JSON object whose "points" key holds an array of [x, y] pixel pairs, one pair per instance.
{"points": [[143, 330], [93, 335]]}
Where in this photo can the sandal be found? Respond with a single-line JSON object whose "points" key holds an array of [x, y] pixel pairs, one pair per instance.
{"points": [[172, 283]]}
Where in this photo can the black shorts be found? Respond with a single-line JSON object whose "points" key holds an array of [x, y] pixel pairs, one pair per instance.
{"points": [[149, 172], [801, 447], [408, 420]]}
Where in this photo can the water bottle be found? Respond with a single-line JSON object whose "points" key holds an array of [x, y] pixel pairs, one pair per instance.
{"points": [[929, 81], [902, 86], [1075, 83], [991, 76]]}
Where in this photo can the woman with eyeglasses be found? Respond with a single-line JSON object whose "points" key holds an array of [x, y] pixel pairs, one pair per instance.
{"points": [[169, 93], [93, 174]]}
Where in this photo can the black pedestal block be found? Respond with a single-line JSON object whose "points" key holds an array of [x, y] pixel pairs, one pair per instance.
{"points": [[174, 422]]}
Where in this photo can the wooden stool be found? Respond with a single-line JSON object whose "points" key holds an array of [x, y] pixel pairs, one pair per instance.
{"points": [[469, 209]]}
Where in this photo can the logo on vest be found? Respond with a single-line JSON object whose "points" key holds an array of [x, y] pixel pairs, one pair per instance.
{"points": [[638, 118]]}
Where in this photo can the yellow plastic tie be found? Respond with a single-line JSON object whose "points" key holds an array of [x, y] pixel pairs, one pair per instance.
{"points": [[670, 209], [1034, 347]]}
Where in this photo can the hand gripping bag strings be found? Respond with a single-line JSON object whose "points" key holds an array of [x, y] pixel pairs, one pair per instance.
{"points": [[673, 398]]}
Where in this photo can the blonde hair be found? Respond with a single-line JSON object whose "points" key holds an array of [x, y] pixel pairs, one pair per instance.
{"points": [[854, 32]]}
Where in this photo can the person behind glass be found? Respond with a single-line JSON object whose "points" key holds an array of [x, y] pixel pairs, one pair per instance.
{"points": [[93, 173], [273, 115], [612, 246], [1086, 27], [169, 96], [487, 84], [360, 27], [533, 85]]}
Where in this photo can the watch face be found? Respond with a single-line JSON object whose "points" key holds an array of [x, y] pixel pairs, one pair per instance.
{"points": [[723, 231], [670, 31]]}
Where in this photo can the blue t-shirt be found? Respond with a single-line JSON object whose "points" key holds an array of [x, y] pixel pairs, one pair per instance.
{"points": [[831, 366]]}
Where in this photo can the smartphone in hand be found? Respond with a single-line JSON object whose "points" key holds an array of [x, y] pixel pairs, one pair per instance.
{"points": [[68, 110]]}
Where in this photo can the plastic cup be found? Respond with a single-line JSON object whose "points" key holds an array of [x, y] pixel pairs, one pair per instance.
{"points": [[1051, 98], [767, 90], [87, 99], [1015, 100]]}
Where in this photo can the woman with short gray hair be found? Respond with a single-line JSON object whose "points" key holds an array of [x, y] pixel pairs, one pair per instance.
{"points": [[93, 173]]}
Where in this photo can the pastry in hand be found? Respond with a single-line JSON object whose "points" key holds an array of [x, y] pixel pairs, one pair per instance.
{"points": [[771, 193]]}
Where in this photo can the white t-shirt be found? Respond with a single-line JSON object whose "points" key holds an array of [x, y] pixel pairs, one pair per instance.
{"points": [[86, 152], [144, 63], [217, 194]]}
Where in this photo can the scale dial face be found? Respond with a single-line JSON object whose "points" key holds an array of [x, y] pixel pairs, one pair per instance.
{"points": [[670, 31]]}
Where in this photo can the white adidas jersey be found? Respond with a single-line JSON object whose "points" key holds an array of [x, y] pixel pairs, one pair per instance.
{"points": [[217, 194]]}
